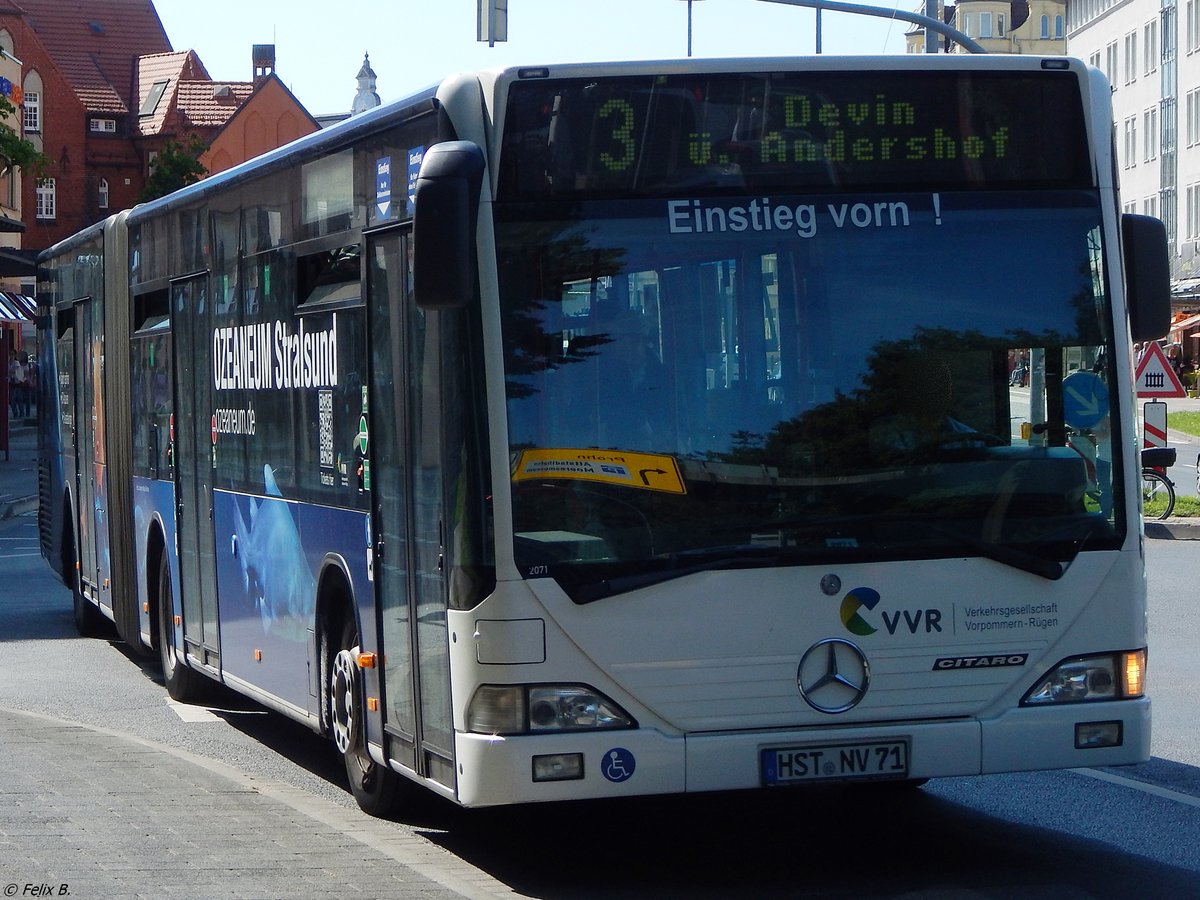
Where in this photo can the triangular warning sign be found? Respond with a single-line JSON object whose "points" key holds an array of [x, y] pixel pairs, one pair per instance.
{"points": [[1155, 377]]}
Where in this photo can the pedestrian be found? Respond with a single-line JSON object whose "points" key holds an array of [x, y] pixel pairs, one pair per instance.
{"points": [[1175, 358], [18, 386], [18, 375]]}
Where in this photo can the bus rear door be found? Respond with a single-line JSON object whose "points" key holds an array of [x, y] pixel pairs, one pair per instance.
{"points": [[194, 468], [88, 402]]}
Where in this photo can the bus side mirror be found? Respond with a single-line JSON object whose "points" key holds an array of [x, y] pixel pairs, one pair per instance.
{"points": [[1147, 276], [445, 212]]}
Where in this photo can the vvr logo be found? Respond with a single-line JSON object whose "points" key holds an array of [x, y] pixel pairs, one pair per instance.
{"points": [[852, 603], [910, 620]]}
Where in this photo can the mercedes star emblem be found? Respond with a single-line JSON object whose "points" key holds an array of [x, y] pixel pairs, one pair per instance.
{"points": [[833, 675]]}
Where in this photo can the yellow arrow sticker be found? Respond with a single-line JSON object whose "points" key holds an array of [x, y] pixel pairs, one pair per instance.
{"points": [[645, 471]]}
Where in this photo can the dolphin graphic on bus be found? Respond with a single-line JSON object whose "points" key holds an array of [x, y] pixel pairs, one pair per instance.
{"points": [[275, 575]]}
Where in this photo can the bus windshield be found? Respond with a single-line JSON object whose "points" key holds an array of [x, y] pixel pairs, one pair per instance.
{"points": [[845, 377]]}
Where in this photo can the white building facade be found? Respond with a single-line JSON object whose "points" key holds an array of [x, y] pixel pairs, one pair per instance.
{"points": [[1150, 51]]}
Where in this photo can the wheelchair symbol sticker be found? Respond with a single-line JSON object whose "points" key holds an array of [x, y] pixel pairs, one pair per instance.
{"points": [[618, 764]]}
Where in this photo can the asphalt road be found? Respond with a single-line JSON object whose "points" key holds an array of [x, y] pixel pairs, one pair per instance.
{"points": [[1075, 834]]}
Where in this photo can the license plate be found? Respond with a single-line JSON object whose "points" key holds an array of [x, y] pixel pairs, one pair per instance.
{"points": [[835, 762]]}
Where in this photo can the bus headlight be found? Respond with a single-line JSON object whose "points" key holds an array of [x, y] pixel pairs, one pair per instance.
{"points": [[542, 709], [1107, 676]]}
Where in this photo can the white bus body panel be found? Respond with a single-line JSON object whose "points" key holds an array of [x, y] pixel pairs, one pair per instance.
{"points": [[707, 665]]}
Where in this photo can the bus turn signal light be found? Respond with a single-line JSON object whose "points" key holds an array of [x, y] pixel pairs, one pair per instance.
{"points": [[366, 660], [1135, 673]]}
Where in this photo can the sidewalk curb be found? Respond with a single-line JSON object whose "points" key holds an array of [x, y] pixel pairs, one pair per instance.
{"points": [[407, 846], [18, 506], [1173, 529]]}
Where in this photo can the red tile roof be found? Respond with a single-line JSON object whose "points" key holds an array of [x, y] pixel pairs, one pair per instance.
{"points": [[212, 103], [174, 69], [96, 43]]}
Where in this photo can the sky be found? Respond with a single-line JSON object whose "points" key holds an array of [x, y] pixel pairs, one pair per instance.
{"points": [[319, 45]]}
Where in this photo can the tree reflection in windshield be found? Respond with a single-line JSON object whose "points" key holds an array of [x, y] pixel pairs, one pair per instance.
{"points": [[792, 378]]}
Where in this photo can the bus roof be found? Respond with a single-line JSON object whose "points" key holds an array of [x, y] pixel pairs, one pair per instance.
{"points": [[342, 134], [349, 130]]}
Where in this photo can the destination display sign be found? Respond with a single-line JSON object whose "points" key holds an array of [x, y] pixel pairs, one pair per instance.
{"points": [[652, 135]]}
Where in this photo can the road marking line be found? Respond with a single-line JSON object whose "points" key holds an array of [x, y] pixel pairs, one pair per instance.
{"points": [[1164, 793], [189, 713]]}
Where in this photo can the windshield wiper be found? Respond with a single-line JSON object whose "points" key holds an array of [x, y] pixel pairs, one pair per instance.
{"points": [[1050, 569], [1004, 554], [707, 560], [752, 556]]}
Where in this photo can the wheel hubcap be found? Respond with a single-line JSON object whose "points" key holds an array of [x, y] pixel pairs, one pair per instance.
{"points": [[344, 693]]}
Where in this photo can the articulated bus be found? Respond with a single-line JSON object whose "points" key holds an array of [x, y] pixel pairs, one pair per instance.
{"points": [[588, 431]]}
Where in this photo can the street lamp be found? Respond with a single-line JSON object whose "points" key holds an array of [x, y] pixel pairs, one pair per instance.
{"points": [[689, 3]]}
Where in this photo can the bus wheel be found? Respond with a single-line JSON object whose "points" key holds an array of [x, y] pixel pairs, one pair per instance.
{"points": [[376, 788], [184, 685], [88, 620]]}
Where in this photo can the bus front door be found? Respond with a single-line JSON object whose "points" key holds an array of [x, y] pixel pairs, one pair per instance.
{"points": [[406, 489], [194, 468]]}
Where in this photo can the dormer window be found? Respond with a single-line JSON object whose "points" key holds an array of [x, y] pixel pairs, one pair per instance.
{"points": [[103, 126], [152, 99]]}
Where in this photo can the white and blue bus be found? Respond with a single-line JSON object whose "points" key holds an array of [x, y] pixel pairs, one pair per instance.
{"points": [[597, 430]]}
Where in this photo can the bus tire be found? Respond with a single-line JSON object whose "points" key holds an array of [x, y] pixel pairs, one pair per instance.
{"points": [[184, 685], [88, 620], [376, 788]]}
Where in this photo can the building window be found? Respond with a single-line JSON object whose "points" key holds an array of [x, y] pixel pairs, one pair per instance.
{"points": [[1150, 46], [1130, 154], [985, 25], [153, 97], [1000, 25], [1058, 28], [46, 199], [1131, 57], [33, 111], [1045, 28], [1189, 118], [102, 194], [1191, 212], [1110, 62], [1150, 133], [104, 126]]}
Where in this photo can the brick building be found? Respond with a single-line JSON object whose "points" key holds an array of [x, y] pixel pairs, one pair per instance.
{"points": [[80, 104], [266, 116], [103, 91]]}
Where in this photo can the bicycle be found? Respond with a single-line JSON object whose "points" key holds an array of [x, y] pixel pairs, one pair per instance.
{"points": [[1157, 487]]}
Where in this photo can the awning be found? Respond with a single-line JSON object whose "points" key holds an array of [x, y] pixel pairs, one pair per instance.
{"points": [[1182, 324], [17, 307]]}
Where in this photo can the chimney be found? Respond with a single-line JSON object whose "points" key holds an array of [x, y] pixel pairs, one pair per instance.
{"points": [[264, 62]]}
